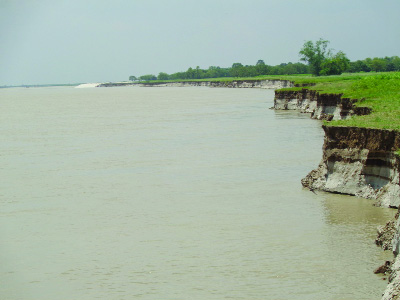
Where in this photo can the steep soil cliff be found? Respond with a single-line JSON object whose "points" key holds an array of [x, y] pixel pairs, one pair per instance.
{"points": [[321, 106], [392, 230], [361, 162], [356, 161]]}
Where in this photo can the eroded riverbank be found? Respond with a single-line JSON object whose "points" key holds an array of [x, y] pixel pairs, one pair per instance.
{"points": [[356, 161]]}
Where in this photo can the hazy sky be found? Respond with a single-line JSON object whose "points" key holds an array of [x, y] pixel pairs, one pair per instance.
{"points": [[74, 41]]}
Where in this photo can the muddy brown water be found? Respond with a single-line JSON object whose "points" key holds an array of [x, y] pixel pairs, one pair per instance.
{"points": [[173, 193]]}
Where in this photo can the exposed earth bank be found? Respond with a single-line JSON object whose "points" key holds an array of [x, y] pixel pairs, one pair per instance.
{"points": [[266, 84], [356, 161], [321, 106], [360, 162]]}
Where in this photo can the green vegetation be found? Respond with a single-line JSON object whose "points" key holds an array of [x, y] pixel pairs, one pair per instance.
{"points": [[322, 61], [147, 77], [237, 70], [314, 55], [378, 91], [333, 64]]}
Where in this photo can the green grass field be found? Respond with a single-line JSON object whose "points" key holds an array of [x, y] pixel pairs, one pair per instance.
{"points": [[378, 91]]}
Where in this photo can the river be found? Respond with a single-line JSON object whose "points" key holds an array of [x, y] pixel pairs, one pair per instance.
{"points": [[173, 193]]}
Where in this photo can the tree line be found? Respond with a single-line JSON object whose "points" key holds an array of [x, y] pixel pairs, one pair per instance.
{"points": [[386, 64], [323, 61], [319, 61], [237, 70]]}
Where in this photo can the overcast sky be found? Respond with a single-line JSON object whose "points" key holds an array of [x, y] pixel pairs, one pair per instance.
{"points": [[75, 41]]}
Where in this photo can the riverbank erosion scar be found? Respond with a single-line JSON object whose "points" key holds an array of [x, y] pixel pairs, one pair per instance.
{"points": [[392, 232], [264, 84], [361, 162], [321, 106], [356, 161]]}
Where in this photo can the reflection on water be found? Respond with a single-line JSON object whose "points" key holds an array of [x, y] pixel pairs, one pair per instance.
{"points": [[173, 193]]}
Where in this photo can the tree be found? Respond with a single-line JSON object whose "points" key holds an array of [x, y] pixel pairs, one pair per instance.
{"points": [[315, 54], [335, 64], [301, 68], [197, 72], [132, 78], [261, 67], [190, 73], [390, 67], [213, 72], [378, 64], [322, 60], [237, 70], [358, 66], [395, 60], [288, 68], [249, 71], [147, 77], [163, 76]]}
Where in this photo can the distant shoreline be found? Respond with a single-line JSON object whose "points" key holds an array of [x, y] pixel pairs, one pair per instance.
{"points": [[38, 85]]}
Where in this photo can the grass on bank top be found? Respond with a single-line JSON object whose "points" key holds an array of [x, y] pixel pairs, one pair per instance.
{"points": [[379, 91]]}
